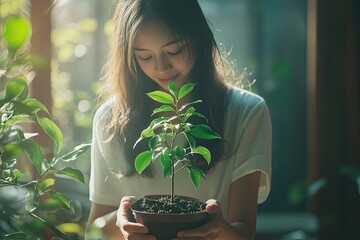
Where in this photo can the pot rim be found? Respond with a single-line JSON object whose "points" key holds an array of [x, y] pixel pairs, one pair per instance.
{"points": [[167, 214]]}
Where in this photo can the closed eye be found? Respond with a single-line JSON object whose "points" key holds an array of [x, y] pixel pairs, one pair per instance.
{"points": [[176, 52], [144, 58]]}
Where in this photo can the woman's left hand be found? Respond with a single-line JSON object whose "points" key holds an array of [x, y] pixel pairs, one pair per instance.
{"points": [[210, 230]]}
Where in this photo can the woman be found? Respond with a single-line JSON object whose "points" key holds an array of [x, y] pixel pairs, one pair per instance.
{"points": [[156, 41]]}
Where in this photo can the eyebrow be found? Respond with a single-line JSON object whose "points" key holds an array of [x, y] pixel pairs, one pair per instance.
{"points": [[167, 44]]}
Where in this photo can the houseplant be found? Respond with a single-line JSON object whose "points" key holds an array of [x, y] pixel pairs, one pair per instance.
{"points": [[23, 197], [171, 212]]}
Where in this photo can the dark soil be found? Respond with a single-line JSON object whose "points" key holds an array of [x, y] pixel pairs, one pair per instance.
{"points": [[164, 205]]}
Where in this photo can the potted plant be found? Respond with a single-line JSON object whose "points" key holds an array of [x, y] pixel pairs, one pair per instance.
{"points": [[165, 215], [23, 197]]}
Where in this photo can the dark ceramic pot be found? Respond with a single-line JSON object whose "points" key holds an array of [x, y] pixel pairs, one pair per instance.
{"points": [[166, 226]]}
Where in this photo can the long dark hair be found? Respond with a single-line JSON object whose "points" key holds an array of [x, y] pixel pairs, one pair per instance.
{"points": [[126, 84]]}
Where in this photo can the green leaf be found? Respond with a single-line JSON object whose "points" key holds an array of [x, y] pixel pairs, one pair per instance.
{"points": [[21, 108], [191, 140], [53, 229], [74, 154], [72, 173], [179, 152], [204, 152], [46, 183], [163, 108], [142, 161], [173, 89], [157, 122], [169, 126], [146, 133], [16, 235], [137, 141], [185, 89], [161, 97], [11, 151], [199, 115], [166, 163], [157, 152], [52, 130], [35, 105], [192, 112], [24, 94], [60, 198], [15, 88], [203, 131], [16, 31], [16, 175], [154, 142], [196, 175], [34, 152], [188, 104], [17, 119]]}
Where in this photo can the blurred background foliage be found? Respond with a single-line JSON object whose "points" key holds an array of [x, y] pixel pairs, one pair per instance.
{"points": [[30, 204]]}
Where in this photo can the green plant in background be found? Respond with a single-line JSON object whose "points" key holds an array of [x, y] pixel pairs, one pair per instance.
{"points": [[163, 131], [21, 195]]}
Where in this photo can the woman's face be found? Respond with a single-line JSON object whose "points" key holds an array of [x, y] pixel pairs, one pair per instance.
{"points": [[161, 57]]}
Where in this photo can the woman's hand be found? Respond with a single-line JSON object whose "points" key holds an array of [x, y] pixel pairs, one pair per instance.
{"points": [[210, 230], [127, 224]]}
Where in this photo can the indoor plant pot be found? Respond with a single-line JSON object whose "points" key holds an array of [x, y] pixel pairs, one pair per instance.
{"points": [[165, 226]]}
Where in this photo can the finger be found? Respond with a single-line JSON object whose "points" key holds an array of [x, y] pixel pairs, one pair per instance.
{"points": [[123, 211], [129, 199], [126, 221], [212, 206], [131, 227], [125, 218]]}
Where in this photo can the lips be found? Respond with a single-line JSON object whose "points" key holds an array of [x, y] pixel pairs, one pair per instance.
{"points": [[169, 78]]}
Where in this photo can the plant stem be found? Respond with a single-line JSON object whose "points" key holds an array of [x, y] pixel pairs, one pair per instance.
{"points": [[172, 160], [172, 184], [172, 169]]}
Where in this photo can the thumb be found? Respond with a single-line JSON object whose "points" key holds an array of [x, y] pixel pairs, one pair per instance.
{"points": [[212, 206], [127, 201], [125, 206], [124, 209]]}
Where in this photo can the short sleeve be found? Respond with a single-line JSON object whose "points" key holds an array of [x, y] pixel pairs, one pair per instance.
{"points": [[254, 150], [107, 161]]}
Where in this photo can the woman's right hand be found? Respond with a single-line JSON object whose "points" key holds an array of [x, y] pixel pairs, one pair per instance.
{"points": [[127, 224]]}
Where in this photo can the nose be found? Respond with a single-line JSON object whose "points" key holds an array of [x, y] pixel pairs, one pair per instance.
{"points": [[163, 65]]}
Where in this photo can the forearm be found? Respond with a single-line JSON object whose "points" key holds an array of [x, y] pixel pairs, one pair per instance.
{"points": [[107, 227], [236, 231]]}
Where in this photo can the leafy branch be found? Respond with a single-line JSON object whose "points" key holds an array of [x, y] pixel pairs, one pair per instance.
{"points": [[16, 108], [164, 130]]}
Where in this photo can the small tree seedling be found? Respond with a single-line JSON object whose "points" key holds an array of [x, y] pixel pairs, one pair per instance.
{"points": [[164, 130]]}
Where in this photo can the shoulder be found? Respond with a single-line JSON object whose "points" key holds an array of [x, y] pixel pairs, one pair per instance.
{"points": [[103, 114], [243, 102]]}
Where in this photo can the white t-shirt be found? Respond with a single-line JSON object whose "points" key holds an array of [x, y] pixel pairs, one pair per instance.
{"points": [[247, 129]]}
